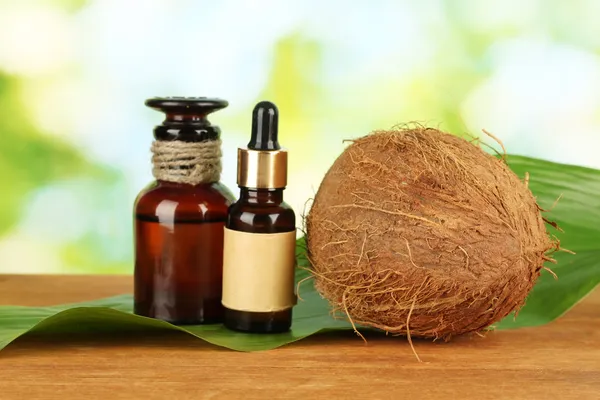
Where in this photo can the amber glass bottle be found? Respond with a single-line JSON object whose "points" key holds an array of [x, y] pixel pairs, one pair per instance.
{"points": [[260, 235], [179, 226]]}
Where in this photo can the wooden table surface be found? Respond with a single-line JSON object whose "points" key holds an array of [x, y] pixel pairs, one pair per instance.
{"points": [[558, 361]]}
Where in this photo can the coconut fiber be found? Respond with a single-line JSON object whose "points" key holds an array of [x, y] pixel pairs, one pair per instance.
{"points": [[419, 232]]}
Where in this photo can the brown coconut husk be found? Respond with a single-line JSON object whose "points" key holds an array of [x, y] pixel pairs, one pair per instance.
{"points": [[422, 233]]}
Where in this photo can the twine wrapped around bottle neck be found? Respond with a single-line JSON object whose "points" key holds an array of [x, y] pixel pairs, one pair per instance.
{"points": [[187, 162]]}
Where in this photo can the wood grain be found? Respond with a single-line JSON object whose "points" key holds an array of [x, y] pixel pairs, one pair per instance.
{"points": [[558, 361]]}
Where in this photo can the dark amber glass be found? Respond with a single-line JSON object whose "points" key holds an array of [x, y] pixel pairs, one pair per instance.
{"points": [[179, 229], [179, 252], [260, 211]]}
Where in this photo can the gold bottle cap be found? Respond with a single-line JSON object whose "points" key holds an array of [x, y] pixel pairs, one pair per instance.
{"points": [[263, 163], [262, 169]]}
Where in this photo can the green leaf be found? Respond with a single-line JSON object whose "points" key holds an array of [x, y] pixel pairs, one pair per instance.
{"points": [[578, 213], [114, 314]]}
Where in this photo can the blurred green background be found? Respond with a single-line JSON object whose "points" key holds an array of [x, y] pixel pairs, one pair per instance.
{"points": [[75, 134]]}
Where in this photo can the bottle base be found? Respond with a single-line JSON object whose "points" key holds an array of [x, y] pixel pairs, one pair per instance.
{"points": [[258, 322], [211, 314], [188, 321]]}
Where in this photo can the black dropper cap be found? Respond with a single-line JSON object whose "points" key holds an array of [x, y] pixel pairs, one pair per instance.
{"points": [[265, 120]]}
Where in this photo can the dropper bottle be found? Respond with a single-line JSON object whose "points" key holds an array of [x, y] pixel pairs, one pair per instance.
{"points": [[260, 235]]}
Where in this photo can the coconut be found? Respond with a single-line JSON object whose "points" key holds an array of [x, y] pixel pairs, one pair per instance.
{"points": [[419, 232]]}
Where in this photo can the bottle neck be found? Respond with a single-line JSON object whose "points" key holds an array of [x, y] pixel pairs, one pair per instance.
{"points": [[261, 196], [186, 131]]}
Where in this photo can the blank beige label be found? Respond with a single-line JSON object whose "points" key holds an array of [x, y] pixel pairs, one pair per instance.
{"points": [[258, 271]]}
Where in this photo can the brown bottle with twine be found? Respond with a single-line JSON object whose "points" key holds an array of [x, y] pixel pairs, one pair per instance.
{"points": [[179, 218], [260, 235]]}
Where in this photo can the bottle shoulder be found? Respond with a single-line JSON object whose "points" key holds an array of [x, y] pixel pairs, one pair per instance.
{"points": [[181, 201], [159, 189], [240, 205], [260, 218]]}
